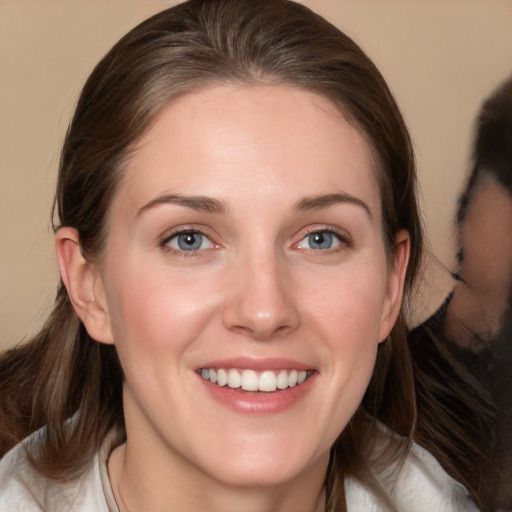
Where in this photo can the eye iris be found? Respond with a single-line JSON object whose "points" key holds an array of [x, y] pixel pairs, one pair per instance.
{"points": [[189, 241], [320, 240]]}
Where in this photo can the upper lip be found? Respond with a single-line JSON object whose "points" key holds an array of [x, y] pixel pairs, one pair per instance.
{"points": [[257, 364]]}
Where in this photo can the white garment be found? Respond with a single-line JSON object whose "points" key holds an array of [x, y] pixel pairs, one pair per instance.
{"points": [[421, 486], [23, 490]]}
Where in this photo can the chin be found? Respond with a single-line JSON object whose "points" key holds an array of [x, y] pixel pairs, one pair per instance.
{"points": [[251, 477], [266, 469]]}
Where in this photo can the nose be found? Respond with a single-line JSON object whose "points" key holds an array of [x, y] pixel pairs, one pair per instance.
{"points": [[261, 301]]}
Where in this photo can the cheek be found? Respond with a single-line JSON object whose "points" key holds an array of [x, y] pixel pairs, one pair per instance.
{"points": [[347, 306], [344, 319], [353, 340], [346, 315], [158, 311]]}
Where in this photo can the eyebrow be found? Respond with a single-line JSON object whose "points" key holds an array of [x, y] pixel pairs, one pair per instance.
{"points": [[211, 205], [197, 203], [324, 201]]}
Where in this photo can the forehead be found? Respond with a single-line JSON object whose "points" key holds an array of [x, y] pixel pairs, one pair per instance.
{"points": [[235, 142]]}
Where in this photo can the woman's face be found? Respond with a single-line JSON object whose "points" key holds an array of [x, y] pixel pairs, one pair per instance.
{"points": [[244, 244]]}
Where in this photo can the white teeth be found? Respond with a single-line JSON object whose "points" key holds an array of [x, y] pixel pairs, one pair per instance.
{"points": [[267, 381], [222, 377], [250, 380], [234, 379], [282, 379]]}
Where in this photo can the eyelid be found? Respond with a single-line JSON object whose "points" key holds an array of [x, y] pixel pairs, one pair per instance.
{"points": [[341, 235], [344, 239], [175, 232]]}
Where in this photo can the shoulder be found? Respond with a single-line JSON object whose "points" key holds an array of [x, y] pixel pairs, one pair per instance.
{"points": [[23, 489], [423, 481], [417, 484]]}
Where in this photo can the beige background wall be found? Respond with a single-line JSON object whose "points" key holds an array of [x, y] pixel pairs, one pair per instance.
{"points": [[441, 58]]}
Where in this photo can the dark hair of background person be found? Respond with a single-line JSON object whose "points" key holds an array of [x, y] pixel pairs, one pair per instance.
{"points": [[62, 372], [492, 152]]}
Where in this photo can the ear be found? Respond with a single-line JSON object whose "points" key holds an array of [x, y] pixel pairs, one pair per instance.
{"points": [[395, 284], [84, 285]]}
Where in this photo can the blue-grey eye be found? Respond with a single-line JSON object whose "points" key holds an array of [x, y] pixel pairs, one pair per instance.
{"points": [[320, 241], [189, 241]]}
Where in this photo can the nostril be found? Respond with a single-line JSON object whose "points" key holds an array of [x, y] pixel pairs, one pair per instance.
{"points": [[259, 332]]}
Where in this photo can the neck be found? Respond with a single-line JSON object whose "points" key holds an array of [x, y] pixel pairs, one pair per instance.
{"points": [[137, 488]]}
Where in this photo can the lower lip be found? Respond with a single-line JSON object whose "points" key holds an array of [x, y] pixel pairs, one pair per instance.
{"points": [[259, 402]]}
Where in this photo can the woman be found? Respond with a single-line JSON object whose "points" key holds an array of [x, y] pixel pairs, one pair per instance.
{"points": [[237, 227]]}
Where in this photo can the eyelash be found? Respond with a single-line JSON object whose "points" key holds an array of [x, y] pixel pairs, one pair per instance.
{"points": [[164, 244], [344, 241]]}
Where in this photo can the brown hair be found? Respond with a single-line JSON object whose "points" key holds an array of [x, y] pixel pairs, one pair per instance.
{"points": [[62, 372]]}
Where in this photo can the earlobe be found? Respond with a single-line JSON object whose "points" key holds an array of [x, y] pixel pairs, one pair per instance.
{"points": [[395, 285], [84, 285]]}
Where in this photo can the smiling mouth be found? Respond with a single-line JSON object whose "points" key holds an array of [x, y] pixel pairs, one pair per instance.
{"points": [[249, 380]]}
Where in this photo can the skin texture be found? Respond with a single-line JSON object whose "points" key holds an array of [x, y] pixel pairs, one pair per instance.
{"points": [[256, 289]]}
